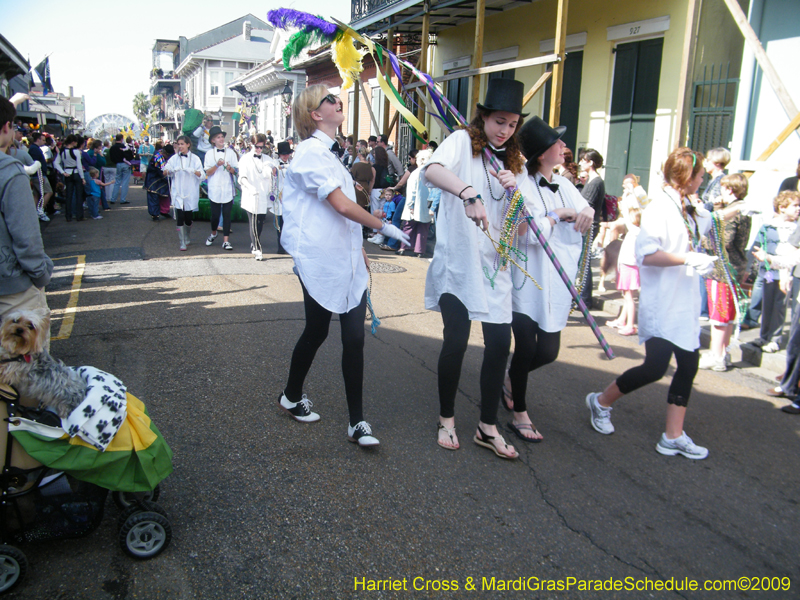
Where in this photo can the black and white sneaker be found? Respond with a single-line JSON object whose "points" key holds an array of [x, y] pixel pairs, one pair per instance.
{"points": [[299, 411], [211, 239], [361, 434]]}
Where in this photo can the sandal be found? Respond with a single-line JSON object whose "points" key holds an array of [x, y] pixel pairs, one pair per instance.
{"points": [[516, 427], [451, 432], [507, 400], [628, 331], [614, 324], [486, 441]]}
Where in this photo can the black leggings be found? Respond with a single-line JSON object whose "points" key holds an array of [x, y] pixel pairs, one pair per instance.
{"points": [[496, 341], [656, 361], [184, 217], [256, 225], [533, 348], [216, 208], [318, 320]]}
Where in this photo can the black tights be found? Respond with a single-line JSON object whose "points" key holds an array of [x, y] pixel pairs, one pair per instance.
{"points": [[225, 209], [533, 348], [183, 217], [658, 352], [318, 320], [496, 341]]}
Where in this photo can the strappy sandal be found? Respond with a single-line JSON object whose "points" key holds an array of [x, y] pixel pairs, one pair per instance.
{"points": [[484, 440], [516, 427], [450, 431]]}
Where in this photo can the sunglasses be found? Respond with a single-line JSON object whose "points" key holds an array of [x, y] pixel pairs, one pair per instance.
{"points": [[259, 147], [329, 98]]}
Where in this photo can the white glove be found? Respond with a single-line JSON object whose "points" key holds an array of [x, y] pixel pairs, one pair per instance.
{"points": [[393, 232], [703, 264], [18, 99], [34, 168]]}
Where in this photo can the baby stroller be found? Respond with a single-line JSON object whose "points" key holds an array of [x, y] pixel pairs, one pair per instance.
{"points": [[55, 486]]}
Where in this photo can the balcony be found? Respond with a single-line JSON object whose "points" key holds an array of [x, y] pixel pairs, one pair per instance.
{"points": [[359, 9]]}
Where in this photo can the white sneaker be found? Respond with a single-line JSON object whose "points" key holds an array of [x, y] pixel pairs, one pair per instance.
{"points": [[97, 217], [771, 347], [681, 445], [258, 255], [299, 411], [361, 434], [713, 362], [227, 246], [601, 416]]}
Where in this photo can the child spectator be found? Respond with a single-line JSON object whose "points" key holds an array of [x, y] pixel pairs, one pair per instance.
{"points": [[773, 238], [628, 275], [722, 298], [95, 185], [716, 161]]}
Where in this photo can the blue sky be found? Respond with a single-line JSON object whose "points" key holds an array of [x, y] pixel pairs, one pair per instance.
{"points": [[103, 49]]}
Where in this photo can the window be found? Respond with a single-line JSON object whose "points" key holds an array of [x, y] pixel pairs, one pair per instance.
{"points": [[377, 109], [214, 78], [229, 76], [458, 92]]}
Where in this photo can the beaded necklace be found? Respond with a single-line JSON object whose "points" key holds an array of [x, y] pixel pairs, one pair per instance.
{"points": [[694, 235], [539, 189], [489, 181]]}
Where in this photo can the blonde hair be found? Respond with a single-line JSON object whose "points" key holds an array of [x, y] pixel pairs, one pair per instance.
{"points": [[304, 104], [737, 183], [94, 172], [719, 156]]}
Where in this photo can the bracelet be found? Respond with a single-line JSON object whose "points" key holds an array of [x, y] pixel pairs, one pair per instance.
{"points": [[462, 191], [552, 214], [469, 201]]}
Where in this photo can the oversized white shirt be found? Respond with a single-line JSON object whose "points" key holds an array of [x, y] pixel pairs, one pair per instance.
{"points": [[276, 204], [220, 185], [325, 246], [463, 251], [255, 178], [550, 306], [669, 299], [417, 207], [185, 185]]}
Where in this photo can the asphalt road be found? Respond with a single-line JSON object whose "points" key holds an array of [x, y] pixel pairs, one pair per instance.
{"points": [[263, 507]]}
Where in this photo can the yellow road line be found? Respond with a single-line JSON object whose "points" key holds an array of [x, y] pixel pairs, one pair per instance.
{"points": [[72, 304]]}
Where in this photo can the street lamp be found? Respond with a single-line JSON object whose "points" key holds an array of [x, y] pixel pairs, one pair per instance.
{"points": [[286, 94], [219, 114]]}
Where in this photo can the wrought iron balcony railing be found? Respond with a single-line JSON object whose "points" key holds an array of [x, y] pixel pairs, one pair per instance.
{"points": [[360, 9]]}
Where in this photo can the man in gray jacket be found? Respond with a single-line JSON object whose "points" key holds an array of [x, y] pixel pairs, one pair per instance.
{"points": [[24, 267]]}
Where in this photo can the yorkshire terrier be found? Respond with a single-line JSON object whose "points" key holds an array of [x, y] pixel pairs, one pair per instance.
{"points": [[28, 366]]}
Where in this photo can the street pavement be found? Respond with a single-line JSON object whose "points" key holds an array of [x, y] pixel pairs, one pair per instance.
{"points": [[264, 507]]}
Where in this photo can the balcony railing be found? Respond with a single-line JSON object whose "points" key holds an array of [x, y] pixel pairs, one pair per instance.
{"points": [[360, 9]]}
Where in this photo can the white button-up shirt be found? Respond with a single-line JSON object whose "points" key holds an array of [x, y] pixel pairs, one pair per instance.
{"points": [[185, 184], [463, 252], [325, 246], [669, 299], [550, 306], [255, 178], [220, 185]]}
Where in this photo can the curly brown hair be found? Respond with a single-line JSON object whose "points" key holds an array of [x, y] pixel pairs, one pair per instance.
{"points": [[514, 159]]}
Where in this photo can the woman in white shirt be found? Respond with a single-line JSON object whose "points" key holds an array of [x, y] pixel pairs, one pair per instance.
{"points": [[186, 171], [458, 282], [670, 258], [322, 231], [256, 177], [540, 315]]}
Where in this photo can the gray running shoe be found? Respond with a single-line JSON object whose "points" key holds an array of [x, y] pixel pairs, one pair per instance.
{"points": [[681, 445], [601, 416]]}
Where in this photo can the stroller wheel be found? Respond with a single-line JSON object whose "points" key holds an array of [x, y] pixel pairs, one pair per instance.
{"points": [[13, 566], [138, 507], [124, 499], [145, 534]]}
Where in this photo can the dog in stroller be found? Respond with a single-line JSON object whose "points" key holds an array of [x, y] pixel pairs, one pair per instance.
{"points": [[69, 436]]}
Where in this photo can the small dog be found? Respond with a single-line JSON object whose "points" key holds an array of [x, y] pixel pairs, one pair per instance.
{"points": [[28, 366], [608, 263]]}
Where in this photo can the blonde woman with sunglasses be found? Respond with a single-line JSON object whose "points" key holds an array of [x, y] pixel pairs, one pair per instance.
{"points": [[322, 231]]}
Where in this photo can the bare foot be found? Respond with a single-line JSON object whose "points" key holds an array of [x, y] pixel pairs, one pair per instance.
{"points": [[447, 438]]}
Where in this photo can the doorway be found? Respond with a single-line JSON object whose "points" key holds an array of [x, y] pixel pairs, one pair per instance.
{"points": [[570, 98]]}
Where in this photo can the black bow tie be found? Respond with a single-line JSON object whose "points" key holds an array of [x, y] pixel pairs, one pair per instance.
{"points": [[335, 148], [552, 186], [221, 150], [184, 155], [500, 153]]}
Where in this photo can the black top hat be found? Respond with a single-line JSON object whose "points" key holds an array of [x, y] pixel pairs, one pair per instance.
{"points": [[536, 136], [284, 148], [505, 95], [215, 130]]}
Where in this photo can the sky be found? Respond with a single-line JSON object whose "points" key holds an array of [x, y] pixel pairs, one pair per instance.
{"points": [[104, 49]]}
